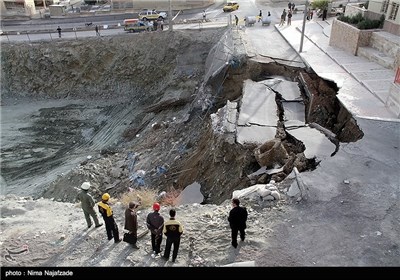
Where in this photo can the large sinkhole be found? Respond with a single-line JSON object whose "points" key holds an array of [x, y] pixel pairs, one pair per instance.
{"points": [[287, 117], [137, 113]]}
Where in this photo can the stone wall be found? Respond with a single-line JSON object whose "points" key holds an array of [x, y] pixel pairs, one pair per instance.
{"points": [[391, 27], [393, 100], [354, 9], [348, 37]]}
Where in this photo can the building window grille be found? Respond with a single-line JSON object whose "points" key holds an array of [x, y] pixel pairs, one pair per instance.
{"points": [[394, 11], [385, 5]]}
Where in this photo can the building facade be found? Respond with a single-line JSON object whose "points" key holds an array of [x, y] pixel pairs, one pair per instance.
{"points": [[391, 10]]}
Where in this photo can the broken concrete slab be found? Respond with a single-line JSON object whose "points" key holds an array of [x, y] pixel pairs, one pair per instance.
{"points": [[258, 105], [254, 134], [294, 111], [316, 143]]}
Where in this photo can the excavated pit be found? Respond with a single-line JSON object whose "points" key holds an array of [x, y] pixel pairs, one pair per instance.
{"points": [[128, 113]]}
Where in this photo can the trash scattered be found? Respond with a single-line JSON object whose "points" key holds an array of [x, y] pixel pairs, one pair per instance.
{"points": [[161, 169], [137, 177]]}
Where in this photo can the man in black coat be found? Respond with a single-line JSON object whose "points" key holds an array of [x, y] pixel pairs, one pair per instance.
{"points": [[237, 221], [131, 224], [155, 223], [173, 230]]}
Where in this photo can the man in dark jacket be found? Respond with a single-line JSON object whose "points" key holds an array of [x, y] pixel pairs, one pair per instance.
{"points": [[87, 204], [237, 221], [131, 223], [173, 231], [155, 223], [107, 213]]}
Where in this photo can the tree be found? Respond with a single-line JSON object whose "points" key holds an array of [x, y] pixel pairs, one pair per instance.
{"points": [[320, 4]]}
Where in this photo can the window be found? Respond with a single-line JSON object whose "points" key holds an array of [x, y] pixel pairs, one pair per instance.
{"points": [[14, 5], [393, 11], [385, 5]]}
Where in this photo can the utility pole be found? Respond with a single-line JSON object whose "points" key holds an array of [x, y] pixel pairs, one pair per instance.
{"points": [[304, 26], [170, 16]]}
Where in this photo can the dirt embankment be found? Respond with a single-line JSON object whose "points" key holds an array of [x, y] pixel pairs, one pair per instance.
{"points": [[140, 66], [127, 115]]}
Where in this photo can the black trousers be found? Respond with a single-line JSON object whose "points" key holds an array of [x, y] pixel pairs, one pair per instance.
{"points": [[168, 245], [112, 229], [156, 242], [235, 232]]}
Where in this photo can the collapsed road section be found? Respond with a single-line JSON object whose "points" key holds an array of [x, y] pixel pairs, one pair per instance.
{"points": [[162, 111]]}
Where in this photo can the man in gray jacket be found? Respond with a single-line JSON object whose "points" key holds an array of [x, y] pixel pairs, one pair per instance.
{"points": [[87, 204]]}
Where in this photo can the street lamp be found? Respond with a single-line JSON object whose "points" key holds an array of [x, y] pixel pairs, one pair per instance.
{"points": [[170, 16], [304, 26]]}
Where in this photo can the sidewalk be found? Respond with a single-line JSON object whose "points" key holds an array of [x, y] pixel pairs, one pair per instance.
{"points": [[363, 85]]}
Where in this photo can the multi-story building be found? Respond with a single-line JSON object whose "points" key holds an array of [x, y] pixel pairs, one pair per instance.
{"points": [[391, 10]]}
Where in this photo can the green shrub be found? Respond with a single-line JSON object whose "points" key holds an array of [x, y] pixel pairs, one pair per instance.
{"points": [[320, 4], [362, 23]]}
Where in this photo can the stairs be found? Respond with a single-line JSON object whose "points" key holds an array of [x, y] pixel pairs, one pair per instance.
{"points": [[384, 49]]}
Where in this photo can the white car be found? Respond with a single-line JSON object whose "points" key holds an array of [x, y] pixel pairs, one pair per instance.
{"points": [[152, 15]]}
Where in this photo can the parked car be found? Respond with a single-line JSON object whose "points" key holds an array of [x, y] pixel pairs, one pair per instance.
{"points": [[231, 6], [333, 12], [135, 25], [152, 15]]}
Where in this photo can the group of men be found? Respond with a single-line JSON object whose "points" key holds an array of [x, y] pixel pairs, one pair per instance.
{"points": [[172, 228]]}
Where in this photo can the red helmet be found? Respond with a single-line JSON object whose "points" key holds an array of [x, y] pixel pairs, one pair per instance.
{"points": [[156, 206]]}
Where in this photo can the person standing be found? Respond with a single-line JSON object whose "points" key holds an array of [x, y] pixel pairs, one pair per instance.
{"points": [[131, 223], [155, 223], [161, 24], [155, 24], [260, 16], [173, 231], [237, 221], [289, 18], [204, 16], [107, 213], [87, 204], [236, 20], [324, 14], [96, 28], [59, 31], [283, 18]]}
